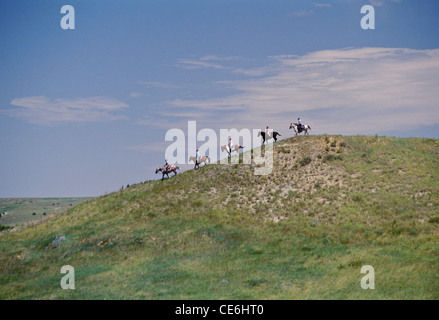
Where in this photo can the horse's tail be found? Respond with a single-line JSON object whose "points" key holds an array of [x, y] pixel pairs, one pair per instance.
{"points": [[241, 147], [208, 159], [279, 134], [309, 127]]}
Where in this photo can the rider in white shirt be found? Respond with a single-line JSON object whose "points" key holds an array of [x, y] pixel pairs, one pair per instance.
{"points": [[197, 157], [267, 133], [230, 144]]}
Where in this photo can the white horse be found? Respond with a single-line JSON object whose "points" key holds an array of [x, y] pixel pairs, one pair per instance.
{"points": [[295, 126], [236, 148], [203, 159]]}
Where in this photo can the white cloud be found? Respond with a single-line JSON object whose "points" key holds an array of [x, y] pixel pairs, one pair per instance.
{"points": [[217, 58], [301, 13], [42, 110], [348, 91], [376, 3], [322, 5], [158, 84], [198, 64], [135, 94]]}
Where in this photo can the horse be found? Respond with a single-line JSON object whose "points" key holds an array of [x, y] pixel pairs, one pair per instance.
{"points": [[305, 128], [274, 136], [204, 159], [173, 168], [236, 148]]}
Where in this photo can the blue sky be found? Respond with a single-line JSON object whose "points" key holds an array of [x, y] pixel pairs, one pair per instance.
{"points": [[85, 111]]}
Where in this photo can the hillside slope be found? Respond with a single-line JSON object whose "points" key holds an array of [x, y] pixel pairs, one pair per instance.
{"points": [[332, 205]]}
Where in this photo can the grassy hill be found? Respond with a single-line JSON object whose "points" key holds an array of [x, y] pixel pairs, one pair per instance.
{"points": [[331, 205]]}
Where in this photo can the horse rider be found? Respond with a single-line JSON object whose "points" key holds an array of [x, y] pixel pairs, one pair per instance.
{"points": [[267, 133], [230, 145], [299, 127], [166, 166], [197, 157]]}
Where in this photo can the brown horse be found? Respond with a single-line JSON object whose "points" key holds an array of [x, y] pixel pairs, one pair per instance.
{"points": [[204, 159], [305, 128], [173, 168], [274, 136], [236, 148]]}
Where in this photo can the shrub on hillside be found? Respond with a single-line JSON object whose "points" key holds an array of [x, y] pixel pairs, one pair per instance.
{"points": [[305, 161], [331, 157]]}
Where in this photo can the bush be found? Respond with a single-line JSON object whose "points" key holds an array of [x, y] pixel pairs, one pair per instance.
{"points": [[4, 227], [434, 219], [197, 203], [331, 157], [305, 161]]}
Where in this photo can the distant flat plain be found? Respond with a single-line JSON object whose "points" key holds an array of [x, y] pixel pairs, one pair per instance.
{"points": [[17, 211]]}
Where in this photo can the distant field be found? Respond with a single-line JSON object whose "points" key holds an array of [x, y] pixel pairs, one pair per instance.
{"points": [[16, 211]]}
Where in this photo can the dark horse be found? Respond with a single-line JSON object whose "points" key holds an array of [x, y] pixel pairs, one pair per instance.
{"points": [[274, 136], [173, 168]]}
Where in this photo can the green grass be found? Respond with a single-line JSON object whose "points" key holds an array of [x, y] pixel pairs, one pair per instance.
{"points": [[16, 211], [220, 232]]}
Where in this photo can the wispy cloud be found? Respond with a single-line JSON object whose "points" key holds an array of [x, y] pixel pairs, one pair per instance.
{"points": [[221, 63], [376, 3], [349, 91], [198, 64], [301, 13], [322, 5], [218, 58], [158, 84], [135, 94], [45, 111]]}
